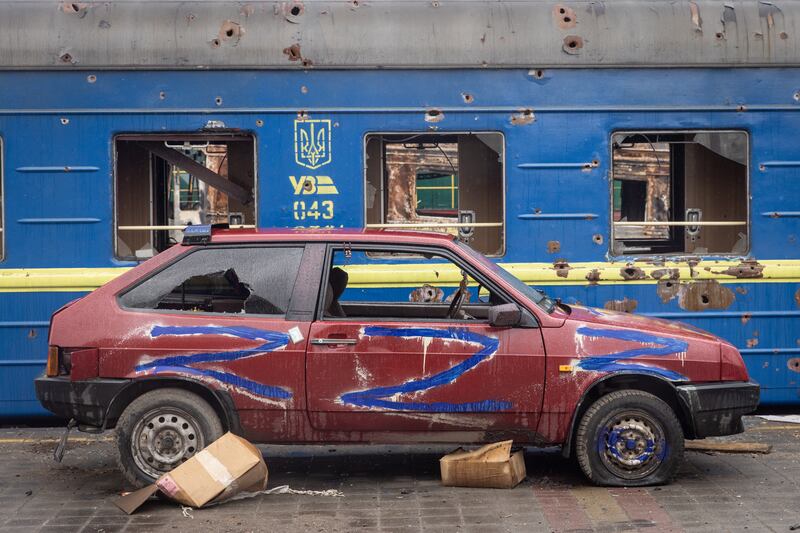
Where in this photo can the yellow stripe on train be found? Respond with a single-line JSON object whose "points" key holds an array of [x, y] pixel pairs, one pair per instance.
{"points": [[415, 275]]}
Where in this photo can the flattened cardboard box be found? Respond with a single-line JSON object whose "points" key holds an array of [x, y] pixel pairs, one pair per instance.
{"points": [[492, 466], [226, 467]]}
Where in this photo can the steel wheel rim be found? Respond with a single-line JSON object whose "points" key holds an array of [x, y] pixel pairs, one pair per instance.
{"points": [[631, 445], [163, 439]]}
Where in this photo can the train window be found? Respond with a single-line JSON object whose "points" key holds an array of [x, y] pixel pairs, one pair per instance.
{"points": [[166, 182], [450, 182], [680, 192]]}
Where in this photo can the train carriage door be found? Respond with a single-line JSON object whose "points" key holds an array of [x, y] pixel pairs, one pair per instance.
{"points": [[392, 351]]}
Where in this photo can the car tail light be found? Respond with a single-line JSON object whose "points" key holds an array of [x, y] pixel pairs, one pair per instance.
{"points": [[52, 361], [732, 367]]}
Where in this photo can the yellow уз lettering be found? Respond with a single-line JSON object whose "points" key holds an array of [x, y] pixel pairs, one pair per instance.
{"points": [[325, 185], [313, 185]]}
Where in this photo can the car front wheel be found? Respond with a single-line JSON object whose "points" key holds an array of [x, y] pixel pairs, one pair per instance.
{"points": [[629, 438], [161, 429]]}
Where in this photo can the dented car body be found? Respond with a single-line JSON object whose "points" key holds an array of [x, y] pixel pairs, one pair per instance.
{"points": [[282, 336]]}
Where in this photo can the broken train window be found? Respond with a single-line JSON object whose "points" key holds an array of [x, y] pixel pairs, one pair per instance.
{"points": [[166, 182], [680, 192], [445, 182], [222, 280]]}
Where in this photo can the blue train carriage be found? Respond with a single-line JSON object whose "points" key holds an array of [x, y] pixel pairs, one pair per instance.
{"points": [[633, 156]]}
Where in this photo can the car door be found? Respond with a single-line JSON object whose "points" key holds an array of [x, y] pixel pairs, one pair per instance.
{"points": [[379, 362], [223, 316]]}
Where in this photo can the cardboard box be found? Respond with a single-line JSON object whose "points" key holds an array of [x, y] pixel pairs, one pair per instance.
{"points": [[492, 466], [224, 468]]}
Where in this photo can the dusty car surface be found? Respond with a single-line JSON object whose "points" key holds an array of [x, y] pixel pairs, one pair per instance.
{"points": [[296, 337]]}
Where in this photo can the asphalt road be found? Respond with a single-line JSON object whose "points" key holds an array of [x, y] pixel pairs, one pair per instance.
{"points": [[397, 489]]}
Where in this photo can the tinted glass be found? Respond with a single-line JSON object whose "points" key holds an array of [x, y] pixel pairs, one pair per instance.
{"points": [[222, 280]]}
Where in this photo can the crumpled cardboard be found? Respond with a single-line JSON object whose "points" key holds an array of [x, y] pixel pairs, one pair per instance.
{"points": [[492, 466], [224, 468]]}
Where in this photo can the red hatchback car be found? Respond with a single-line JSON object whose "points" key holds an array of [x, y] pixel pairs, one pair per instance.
{"points": [[375, 336]]}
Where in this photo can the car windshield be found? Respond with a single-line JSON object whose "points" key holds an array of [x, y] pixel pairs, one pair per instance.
{"points": [[537, 296]]}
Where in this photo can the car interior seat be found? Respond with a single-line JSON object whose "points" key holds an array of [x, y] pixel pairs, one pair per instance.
{"points": [[337, 283]]}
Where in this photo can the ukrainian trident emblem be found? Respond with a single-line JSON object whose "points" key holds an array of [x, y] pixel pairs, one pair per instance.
{"points": [[312, 143]]}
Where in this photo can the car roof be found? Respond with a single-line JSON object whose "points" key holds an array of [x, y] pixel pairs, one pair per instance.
{"points": [[222, 236]]}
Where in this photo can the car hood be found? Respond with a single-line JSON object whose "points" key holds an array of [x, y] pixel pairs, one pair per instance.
{"points": [[627, 320]]}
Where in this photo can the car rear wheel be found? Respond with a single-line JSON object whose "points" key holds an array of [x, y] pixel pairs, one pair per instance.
{"points": [[162, 429], [629, 438]]}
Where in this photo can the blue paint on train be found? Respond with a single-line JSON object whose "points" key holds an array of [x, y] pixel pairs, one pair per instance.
{"points": [[183, 364], [56, 217], [377, 397], [620, 361]]}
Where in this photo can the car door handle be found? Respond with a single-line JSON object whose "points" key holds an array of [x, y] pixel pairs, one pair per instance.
{"points": [[331, 342]]}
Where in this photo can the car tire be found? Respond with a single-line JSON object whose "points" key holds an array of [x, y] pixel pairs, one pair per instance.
{"points": [[629, 438], [160, 430]]}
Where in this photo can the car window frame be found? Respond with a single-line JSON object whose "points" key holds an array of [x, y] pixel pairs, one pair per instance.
{"points": [[443, 252], [193, 250]]}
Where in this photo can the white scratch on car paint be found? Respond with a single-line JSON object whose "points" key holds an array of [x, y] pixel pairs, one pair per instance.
{"points": [[426, 341]]}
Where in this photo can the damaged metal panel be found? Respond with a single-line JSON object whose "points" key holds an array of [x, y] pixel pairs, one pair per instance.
{"points": [[364, 34]]}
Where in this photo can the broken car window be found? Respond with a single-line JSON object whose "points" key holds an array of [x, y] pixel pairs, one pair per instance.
{"points": [[164, 183], [383, 284], [222, 280], [440, 182], [680, 192]]}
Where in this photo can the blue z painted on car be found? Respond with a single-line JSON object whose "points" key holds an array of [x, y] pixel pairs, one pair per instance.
{"points": [[619, 361], [377, 397], [273, 340]]}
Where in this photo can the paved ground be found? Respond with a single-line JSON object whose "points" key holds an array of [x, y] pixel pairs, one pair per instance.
{"points": [[398, 488]]}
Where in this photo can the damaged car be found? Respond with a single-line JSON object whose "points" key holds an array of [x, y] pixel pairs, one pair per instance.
{"points": [[323, 336]]}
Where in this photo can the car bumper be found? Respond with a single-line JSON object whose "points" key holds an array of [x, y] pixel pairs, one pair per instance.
{"points": [[85, 401], [716, 409]]}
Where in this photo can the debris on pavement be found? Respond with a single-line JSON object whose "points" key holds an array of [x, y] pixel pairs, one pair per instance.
{"points": [[492, 466], [729, 447], [790, 419], [226, 467]]}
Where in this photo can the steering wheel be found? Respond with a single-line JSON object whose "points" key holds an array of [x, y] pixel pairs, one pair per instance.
{"points": [[458, 298]]}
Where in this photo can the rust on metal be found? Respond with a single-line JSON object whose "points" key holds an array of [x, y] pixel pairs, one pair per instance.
{"points": [[553, 247], [752, 343], [524, 116], [230, 31], [667, 289], [427, 294], [794, 364], [625, 305], [597, 238], [564, 16], [573, 44], [746, 318], [291, 11], [593, 276], [797, 297], [293, 52], [745, 269], [670, 273], [631, 273], [704, 294], [741, 290], [75, 8], [562, 268]]}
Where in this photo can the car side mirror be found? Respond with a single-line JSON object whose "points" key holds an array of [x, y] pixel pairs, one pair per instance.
{"points": [[505, 315]]}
